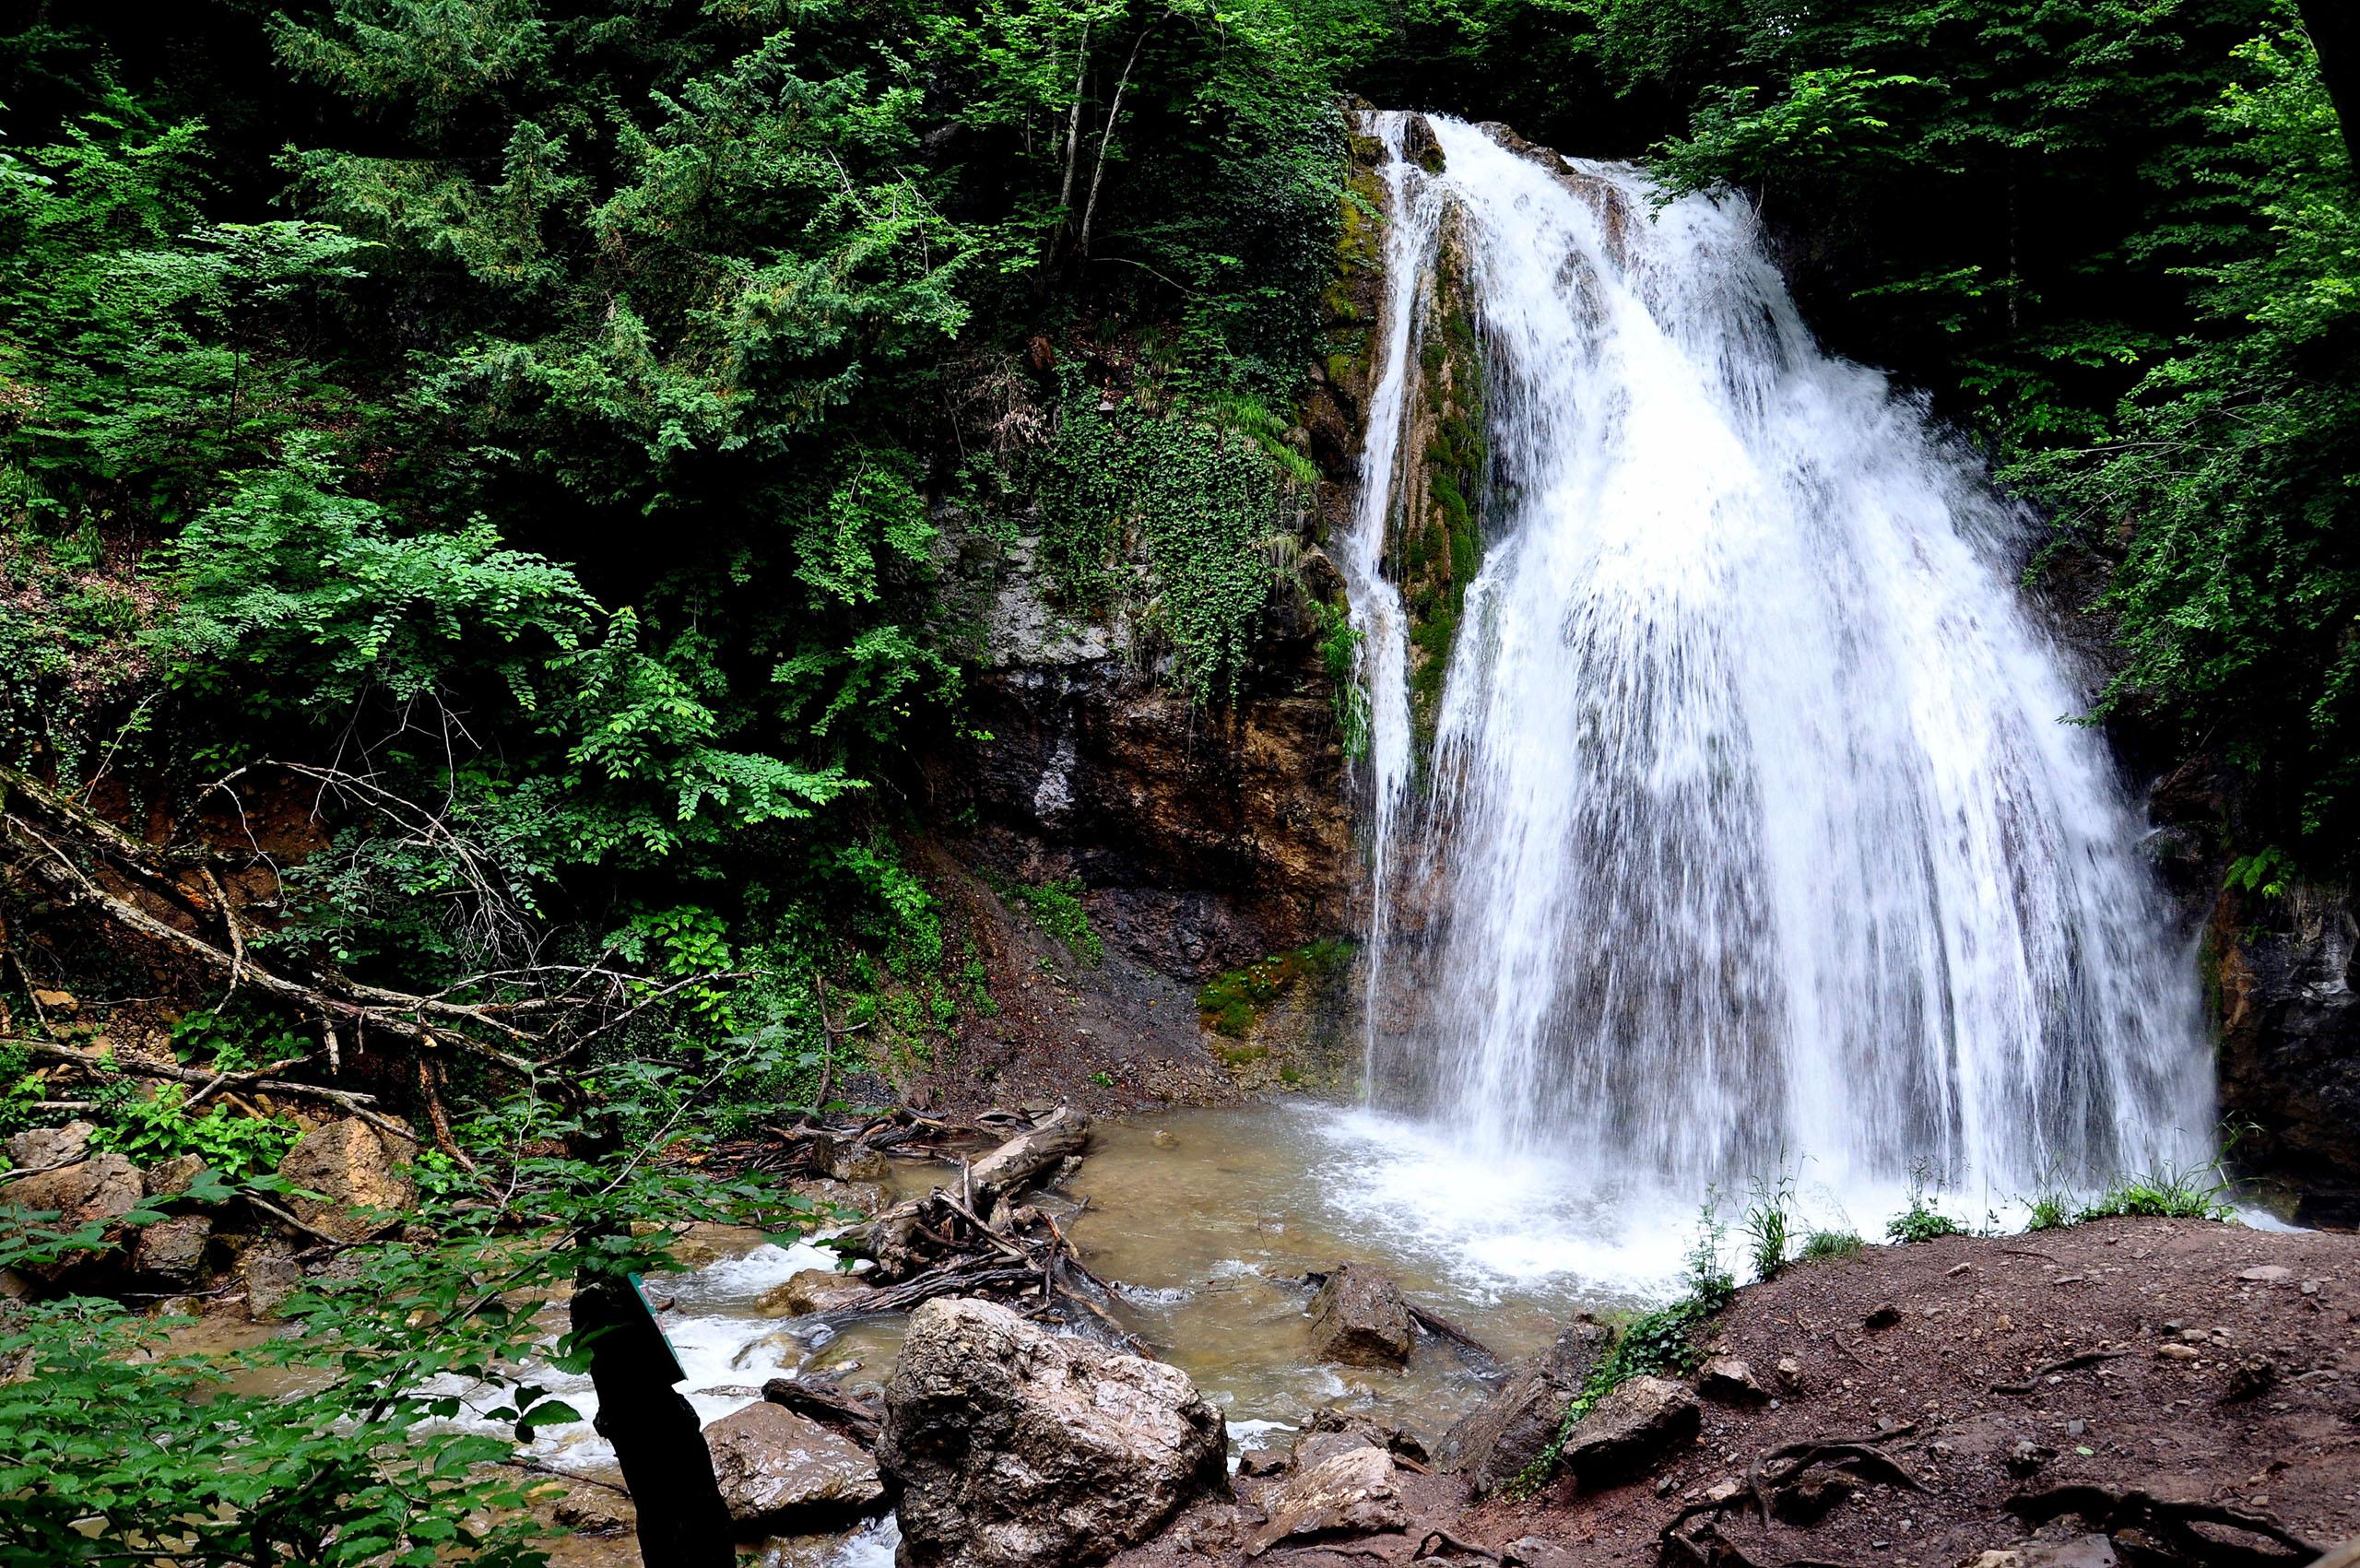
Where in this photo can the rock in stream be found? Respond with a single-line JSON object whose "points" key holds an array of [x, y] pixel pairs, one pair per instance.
{"points": [[1014, 1447]]}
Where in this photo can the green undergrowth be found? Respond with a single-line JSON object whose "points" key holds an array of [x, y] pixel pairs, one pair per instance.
{"points": [[1055, 907], [1233, 1003], [1823, 1246]]}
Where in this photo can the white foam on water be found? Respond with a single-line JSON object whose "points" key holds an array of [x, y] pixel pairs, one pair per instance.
{"points": [[725, 1349]]}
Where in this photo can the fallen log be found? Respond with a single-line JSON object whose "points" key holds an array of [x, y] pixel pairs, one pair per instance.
{"points": [[1025, 1158], [849, 1415]]}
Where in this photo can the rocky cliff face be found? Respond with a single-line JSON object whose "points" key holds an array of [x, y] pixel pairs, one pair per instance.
{"points": [[2279, 966]]}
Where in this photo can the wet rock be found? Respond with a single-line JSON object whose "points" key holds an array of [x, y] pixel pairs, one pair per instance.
{"points": [[1359, 1318], [593, 1511], [360, 1173], [270, 1275], [1635, 1424], [44, 1148], [1499, 1440], [2285, 974], [171, 1178], [1353, 1492], [171, 1252], [779, 1473], [1726, 1380], [813, 1291], [1013, 1447]]}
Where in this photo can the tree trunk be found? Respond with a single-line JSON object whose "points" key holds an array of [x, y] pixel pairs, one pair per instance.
{"points": [[1089, 210], [657, 1440], [2334, 27]]}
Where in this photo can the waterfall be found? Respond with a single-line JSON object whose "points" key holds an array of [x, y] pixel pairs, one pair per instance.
{"points": [[1753, 825]]}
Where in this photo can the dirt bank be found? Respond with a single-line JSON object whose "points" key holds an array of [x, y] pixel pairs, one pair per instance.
{"points": [[2195, 1363]]}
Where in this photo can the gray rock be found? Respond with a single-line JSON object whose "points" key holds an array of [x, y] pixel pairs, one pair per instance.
{"points": [[783, 1474], [44, 1146], [1013, 1447], [172, 1251], [1359, 1318], [101, 1188], [1354, 1493], [1635, 1424], [1726, 1380], [360, 1173], [270, 1275], [1499, 1440]]}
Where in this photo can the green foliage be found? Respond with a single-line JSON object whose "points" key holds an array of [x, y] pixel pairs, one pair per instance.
{"points": [[1921, 1221], [1769, 1223], [1823, 1246], [2268, 871], [1196, 500], [1233, 1003], [160, 1127], [2164, 1192], [1340, 644], [354, 1463], [1055, 908]]}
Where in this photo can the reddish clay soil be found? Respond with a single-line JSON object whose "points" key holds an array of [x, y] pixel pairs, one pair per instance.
{"points": [[2195, 1363]]}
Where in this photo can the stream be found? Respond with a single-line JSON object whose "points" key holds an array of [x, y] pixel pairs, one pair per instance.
{"points": [[1209, 1219]]}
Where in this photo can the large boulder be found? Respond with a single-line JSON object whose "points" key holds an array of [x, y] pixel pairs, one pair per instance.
{"points": [[780, 1474], [1627, 1432], [1013, 1447], [96, 1190], [1353, 1491], [172, 1251], [169, 1178], [1499, 1440], [361, 1175], [44, 1149], [1359, 1318]]}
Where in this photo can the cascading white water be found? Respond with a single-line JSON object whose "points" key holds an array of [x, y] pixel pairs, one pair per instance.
{"points": [[1754, 827]]}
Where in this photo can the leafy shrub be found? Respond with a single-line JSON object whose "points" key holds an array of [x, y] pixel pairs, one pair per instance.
{"points": [[1921, 1222], [1769, 1223], [159, 1126]]}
